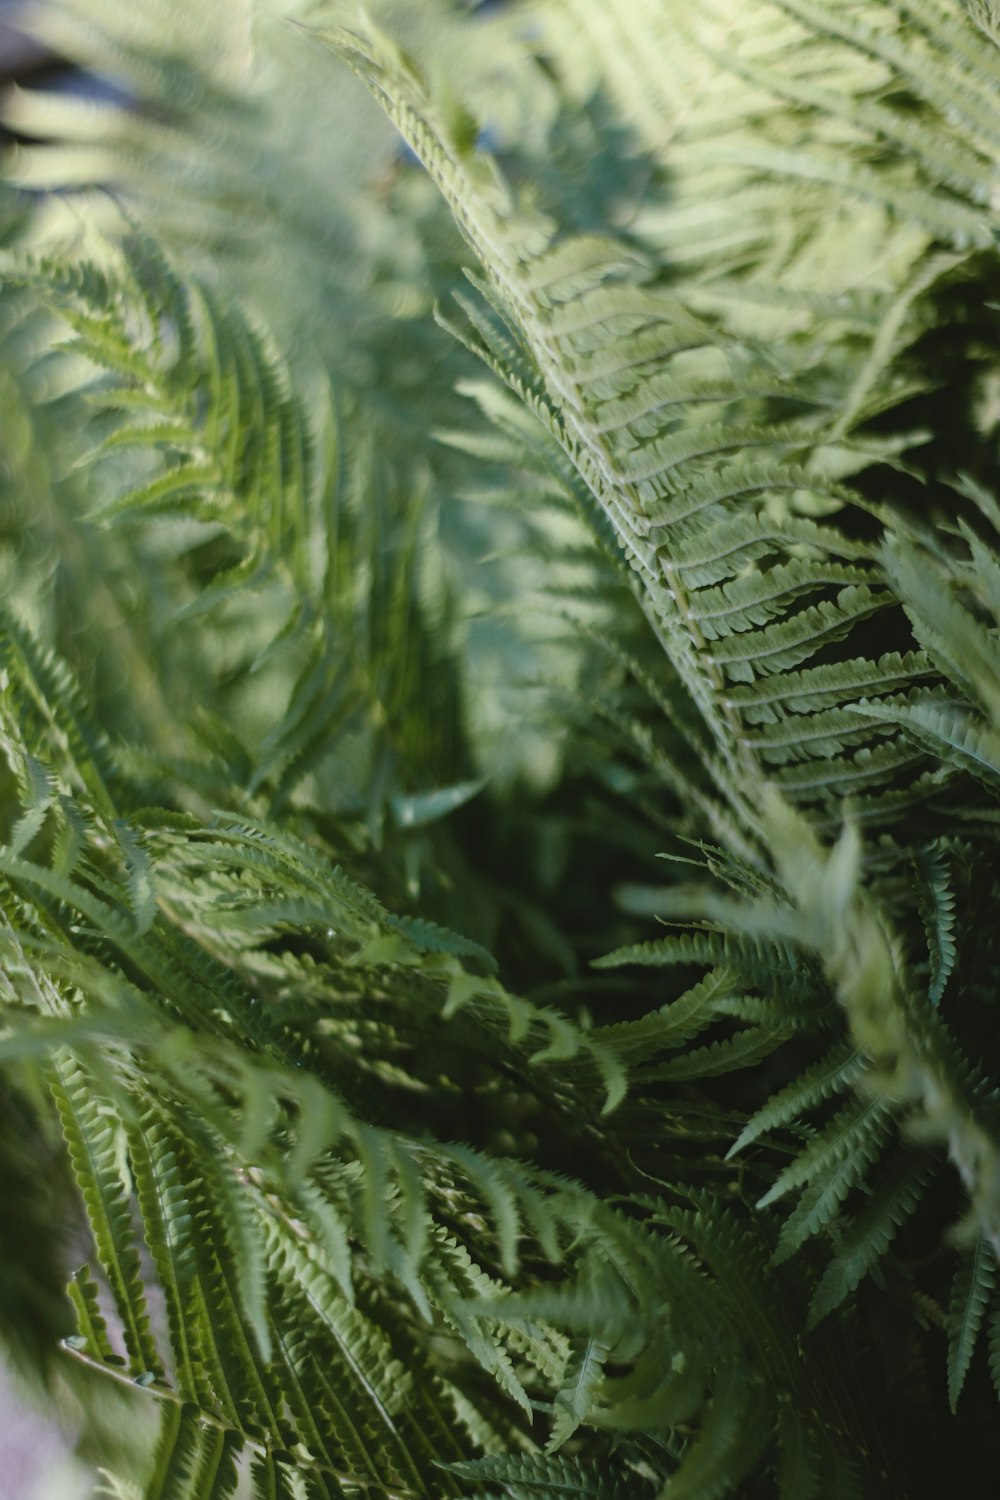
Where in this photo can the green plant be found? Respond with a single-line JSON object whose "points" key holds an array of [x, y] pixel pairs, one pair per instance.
{"points": [[455, 1173]]}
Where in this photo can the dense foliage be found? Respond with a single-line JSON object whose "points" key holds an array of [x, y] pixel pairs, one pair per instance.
{"points": [[501, 741]]}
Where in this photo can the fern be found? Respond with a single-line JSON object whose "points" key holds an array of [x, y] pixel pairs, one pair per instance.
{"points": [[864, 1241], [970, 1292], [355, 666]]}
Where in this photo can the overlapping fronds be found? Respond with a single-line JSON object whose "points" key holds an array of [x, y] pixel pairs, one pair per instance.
{"points": [[649, 397], [408, 1158]]}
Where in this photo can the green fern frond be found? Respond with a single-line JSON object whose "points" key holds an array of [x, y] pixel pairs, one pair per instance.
{"points": [[524, 1477], [42, 690], [218, 1475], [731, 1438], [90, 1136], [895, 1194], [850, 1129], [953, 735], [972, 69], [843, 1170], [970, 1295], [939, 917], [575, 1398], [176, 1456], [92, 1330], [835, 1072]]}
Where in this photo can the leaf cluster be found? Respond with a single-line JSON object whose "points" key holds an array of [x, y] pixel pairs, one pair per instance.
{"points": [[420, 1135]]}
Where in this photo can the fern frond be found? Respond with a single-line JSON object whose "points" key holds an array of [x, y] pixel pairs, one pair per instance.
{"points": [[974, 69], [915, 1064], [731, 1438], [970, 1295], [527, 1476], [675, 1023], [953, 735], [744, 1049], [42, 688], [96, 1164], [939, 917], [218, 1475], [575, 1398], [835, 1072], [895, 1194], [175, 1458], [851, 1127], [92, 1330], [822, 1197]]}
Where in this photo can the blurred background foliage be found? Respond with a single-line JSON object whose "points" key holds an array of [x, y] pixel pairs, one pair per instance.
{"points": [[231, 142]]}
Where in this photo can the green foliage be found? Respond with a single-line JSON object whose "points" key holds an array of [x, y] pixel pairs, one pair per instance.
{"points": [[357, 663]]}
